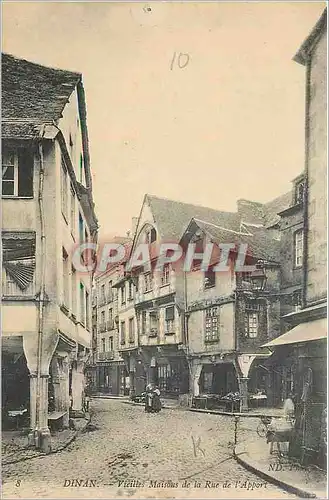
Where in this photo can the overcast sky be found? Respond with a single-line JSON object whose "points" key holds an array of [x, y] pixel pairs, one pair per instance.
{"points": [[228, 125]]}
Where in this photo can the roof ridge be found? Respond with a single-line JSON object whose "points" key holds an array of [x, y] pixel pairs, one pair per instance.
{"points": [[190, 204]]}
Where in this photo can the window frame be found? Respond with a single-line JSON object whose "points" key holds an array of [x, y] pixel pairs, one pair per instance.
{"points": [[122, 332], [170, 323], [72, 210], [123, 294], [299, 192], [298, 251], [148, 280], [143, 323], [66, 280], [130, 291], [211, 318], [82, 294], [250, 326], [165, 275], [212, 281], [153, 317], [64, 191], [14, 154], [131, 330], [110, 291]]}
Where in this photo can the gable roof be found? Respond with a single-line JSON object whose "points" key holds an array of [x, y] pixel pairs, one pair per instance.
{"points": [[172, 217], [33, 94]]}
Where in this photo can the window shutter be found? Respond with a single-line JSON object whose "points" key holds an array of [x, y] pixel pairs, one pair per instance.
{"points": [[25, 172]]}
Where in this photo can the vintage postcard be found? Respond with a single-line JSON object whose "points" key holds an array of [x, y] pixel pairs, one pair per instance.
{"points": [[164, 249]]}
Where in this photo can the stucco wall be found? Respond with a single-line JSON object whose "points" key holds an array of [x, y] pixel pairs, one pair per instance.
{"points": [[317, 171]]}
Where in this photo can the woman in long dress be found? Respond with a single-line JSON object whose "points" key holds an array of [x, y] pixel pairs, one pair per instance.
{"points": [[152, 399]]}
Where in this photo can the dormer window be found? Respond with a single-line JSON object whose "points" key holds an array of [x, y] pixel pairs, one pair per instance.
{"points": [[299, 192], [150, 235], [209, 278]]}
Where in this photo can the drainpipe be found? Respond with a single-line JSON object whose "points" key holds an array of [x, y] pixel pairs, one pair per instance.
{"points": [[186, 337], [42, 287], [307, 153]]}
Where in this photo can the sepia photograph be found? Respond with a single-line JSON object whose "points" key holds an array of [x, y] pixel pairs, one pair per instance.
{"points": [[164, 249]]}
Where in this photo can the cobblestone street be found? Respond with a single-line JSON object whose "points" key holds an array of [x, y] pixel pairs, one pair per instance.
{"points": [[184, 454]]}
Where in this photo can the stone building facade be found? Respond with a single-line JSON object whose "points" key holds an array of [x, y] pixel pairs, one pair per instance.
{"points": [[302, 350], [47, 209]]}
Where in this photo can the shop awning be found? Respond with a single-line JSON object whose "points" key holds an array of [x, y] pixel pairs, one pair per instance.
{"points": [[304, 332]]}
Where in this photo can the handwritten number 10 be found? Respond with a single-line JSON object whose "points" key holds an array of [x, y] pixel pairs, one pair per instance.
{"points": [[182, 60]]}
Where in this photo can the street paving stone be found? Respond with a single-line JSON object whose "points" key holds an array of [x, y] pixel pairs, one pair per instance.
{"points": [[130, 453]]}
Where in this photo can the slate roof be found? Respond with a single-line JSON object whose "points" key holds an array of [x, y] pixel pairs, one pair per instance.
{"points": [[172, 217], [260, 244], [32, 94], [251, 212], [272, 208]]}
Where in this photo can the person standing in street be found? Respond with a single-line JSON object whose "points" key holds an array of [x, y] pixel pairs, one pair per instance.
{"points": [[152, 399]]}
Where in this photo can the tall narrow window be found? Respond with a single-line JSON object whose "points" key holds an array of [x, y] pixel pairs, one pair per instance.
{"points": [[251, 324], [81, 230], [130, 291], [110, 321], [110, 296], [299, 247], [82, 305], [102, 297], [74, 292], [66, 279], [131, 330], [9, 174], [144, 317], [123, 332], [154, 323], [81, 169], [72, 210], [297, 300], [64, 192], [153, 235], [87, 310], [148, 282], [103, 345], [170, 318], [212, 324], [111, 343], [102, 322], [17, 173], [209, 278], [299, 192], [165, 277], [123, 294]]}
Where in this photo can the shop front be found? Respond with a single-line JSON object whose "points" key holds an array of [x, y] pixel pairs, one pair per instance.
{"points": [[303, 354]]}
